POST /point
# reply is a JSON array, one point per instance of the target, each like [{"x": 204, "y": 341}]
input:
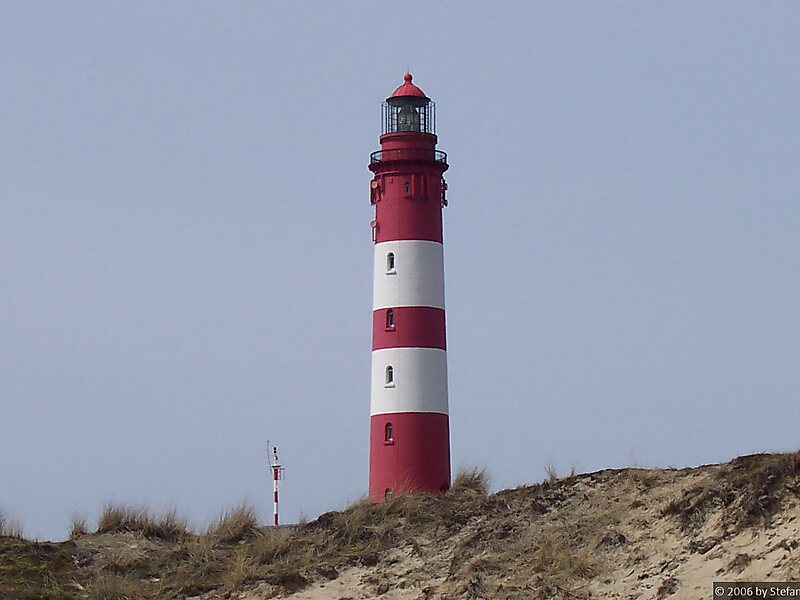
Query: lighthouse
[{"x": 409, "y": 424}]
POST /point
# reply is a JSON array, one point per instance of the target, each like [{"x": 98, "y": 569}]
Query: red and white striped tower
[{"x": 409, "y": 424}]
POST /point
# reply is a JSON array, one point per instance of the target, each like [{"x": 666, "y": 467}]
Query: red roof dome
[{"x": 408, "y": 89}]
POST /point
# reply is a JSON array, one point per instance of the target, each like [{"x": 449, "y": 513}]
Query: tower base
[{"x": 409, "y": 452}]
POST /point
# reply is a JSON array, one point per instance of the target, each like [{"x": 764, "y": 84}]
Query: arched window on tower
[
  {"x": 388, "y": 433},
  {"x": 390, "y": 262},
  {"x": 389, "y": 318},
  {"x": 390, "y": 376}
]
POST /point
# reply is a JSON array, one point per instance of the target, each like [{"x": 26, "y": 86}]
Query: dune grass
[
  {"x": 235, "y": 524},
  {"x": 9, "y": 527},
  {"x": 78, "y": 527},
  {"x": 118, "y": 518}
]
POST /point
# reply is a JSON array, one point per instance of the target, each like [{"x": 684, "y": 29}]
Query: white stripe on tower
[
  {"x": 417, "y": 278},
  {"x": 419, "y": 381}
]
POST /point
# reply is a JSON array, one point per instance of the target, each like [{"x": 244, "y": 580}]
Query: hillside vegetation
[{"x": 629, "y": 533}]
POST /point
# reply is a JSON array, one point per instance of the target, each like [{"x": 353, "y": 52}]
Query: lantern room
[{"x": 408, "y": 109}]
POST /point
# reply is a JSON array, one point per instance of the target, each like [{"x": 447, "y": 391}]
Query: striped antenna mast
[{"x": 277, "y": 475}]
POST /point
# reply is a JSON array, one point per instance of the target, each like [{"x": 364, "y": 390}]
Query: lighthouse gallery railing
[{"x": 406, "y": 154}]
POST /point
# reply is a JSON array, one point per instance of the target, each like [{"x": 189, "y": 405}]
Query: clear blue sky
[{"x": 185, "y": 254}]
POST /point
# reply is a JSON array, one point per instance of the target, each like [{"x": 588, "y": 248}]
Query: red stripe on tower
[
  {"x": 409, "y": 423},
  {"x": 408, "y": 327}
]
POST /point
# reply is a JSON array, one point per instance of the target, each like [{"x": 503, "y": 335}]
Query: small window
[
  {"x": 387, "y": 494},
  {"x": 389, "y": 319},
  {"x": 408, "y": 187},
  {"x": 388, "y": 431},
  {"x": 389, "y": 376},
  {"x": 390, "y": 262}
]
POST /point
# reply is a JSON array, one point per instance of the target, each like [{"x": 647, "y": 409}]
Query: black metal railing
[{"x": 410, "y": 154}]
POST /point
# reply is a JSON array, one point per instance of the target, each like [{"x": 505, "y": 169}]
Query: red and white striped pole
[
  {"x": 276, "y": 475},
  {"x": 275, "y": 493},
  {"x": 409, "y": 422}
]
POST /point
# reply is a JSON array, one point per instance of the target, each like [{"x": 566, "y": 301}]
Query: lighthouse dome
[{"x": 408, "y": 89}]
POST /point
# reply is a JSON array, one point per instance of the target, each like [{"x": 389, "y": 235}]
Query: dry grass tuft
[
  {"x": 240, "y": 569},
  {"x": 272, "y": 544},
  {"x": 9, "y": 527},
  {"x": 78, "y": 527},
  {"x": 551, "y": 472},
  {"x": 561, "y": 552},
  {"x": 203, "y": 562},
  {"x": 235, "y": 524},
  {"x": 170, "y": 526},
  {"x": 473, "y": 479},
  {"x": 200, "y": 550},
  {"x": 642, "y": 479},
  {"x": 117, "y": 518},
  {"x": 112, "y": 587},
  {"x": 124, "y": 561},
  {"x": 349, "y": 527},
  {"x": 556, "y": 557}
]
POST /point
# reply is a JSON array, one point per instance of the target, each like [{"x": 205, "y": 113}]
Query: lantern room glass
[{"x": 408, "y": 114}]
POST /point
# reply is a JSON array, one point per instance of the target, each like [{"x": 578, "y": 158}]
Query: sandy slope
[
  {"x": 603, "y": 535},
  {"x": 627, "y": 534}
]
